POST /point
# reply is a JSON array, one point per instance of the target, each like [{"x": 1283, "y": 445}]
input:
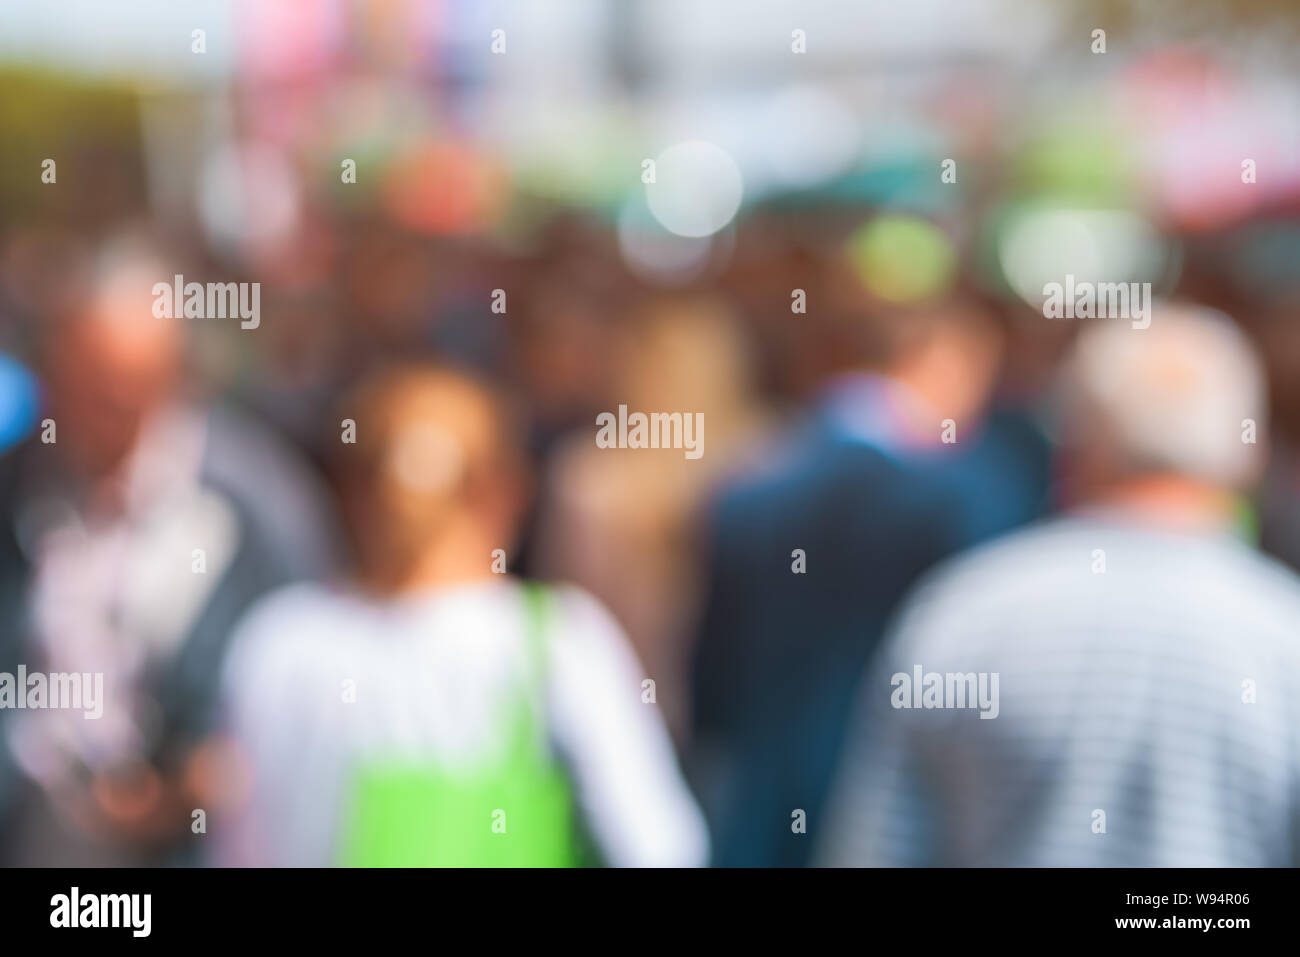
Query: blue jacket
[{"x": 779, "y": 654}]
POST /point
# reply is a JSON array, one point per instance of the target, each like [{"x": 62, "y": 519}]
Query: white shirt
[
  {"x": 432, "y": 676},
  {"x": 113, "y": 592}
]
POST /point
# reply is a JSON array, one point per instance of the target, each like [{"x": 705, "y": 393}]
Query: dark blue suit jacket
[{"x": 779, "y": 655}]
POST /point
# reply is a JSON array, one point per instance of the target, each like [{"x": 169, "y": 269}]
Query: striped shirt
[{"x": 1147, "y": 709}]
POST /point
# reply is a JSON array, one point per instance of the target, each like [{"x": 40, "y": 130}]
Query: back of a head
[
  {"x": 936, "y": 333},
  {"x": 432, "y": 461},
  {"x": 684, "y": 352},
  {"x": 1184, "y": 397}
]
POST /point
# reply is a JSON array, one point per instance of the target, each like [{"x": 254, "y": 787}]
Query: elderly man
[{"x": 1147, "y": 662}]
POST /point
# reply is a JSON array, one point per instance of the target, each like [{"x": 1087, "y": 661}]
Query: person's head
[
  {"x": 1166, "y": 402},
  {"x": 434, "y": 481},
  {"x": 106, "y": 359},
  {"x": 683, "y": 351},
  {"x": 946, "y": 346},
  {"x": 948, "y": 352}
]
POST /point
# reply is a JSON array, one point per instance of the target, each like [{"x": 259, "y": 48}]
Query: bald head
[{"x": 1170, "y": 399}]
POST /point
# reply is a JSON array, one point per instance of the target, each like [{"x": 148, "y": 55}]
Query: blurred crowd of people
[
  {"x": 364, "y": 588},
  {"x": 726, "y": 608}
]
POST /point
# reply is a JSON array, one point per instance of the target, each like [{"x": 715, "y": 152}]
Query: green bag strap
[
  {"x": 539, "y": 614},
  {"x": 539, "y": 609}
]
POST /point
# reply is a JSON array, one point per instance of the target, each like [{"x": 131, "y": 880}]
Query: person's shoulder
[
  {"x": 582, "y": 628},
  {"x": 272, "y": 484},
  {"x": 1022, "y": 551},
  {"x": 290, "y": 602},
  {"x": 1275, "y": 583},
  {"x": 1054, "y": 555},
  {"x": 1002, "y": 573},
  {"x": 281, "y": 622},
  {"x": 583, "y": 614},
  {"x": 589, "y": 655},
  {"x": 789, "y": 467}
]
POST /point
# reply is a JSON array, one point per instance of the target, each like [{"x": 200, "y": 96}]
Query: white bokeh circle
[{"x": 697, "y": 188}]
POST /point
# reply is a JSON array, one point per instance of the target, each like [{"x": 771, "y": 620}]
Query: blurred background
[{"x": 797, "y": 147}]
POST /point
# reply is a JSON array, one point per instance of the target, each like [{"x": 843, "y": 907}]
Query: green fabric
[{"x": 517, "y": 812}]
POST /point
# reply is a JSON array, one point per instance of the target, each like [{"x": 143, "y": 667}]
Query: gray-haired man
[{"x": 1147, "y": 660}]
